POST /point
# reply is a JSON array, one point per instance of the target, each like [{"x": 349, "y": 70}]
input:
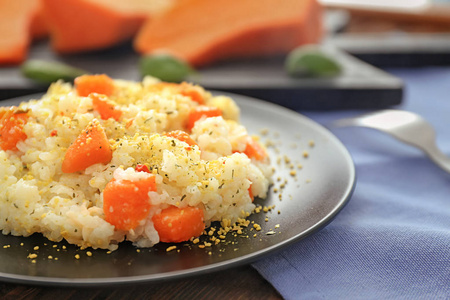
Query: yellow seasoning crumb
[
  {"x": 287, "y": 160},
  {"x": 64, "y": 247},
  {"x": 36, "y": 248},
  {"x": 277, "y": 226},
  {"x": 171, "y": 248},
  {"x": 305, "y": 154},
  {"x": 138, "y": 250},
  {"x": 196, "y": 241},
  {"x": 243, "y": 222},
  {"x": 6, "y": 246},
  {"x": 33, "y": 261},
  {"x": 50, "y": 257},
  {"x": 89, "y": 253},
  {"x": 293, "y": 173},
  {"x": 32, "y": 255},
  {"x": 55, "y": 258},
  {"x": 77, "y": 256},
  {"x": 269, "y": 143},
  {"x": 257, "y": 227},
  {"x": 311, "y": 143},
  {"x": 21, "y": 244}
]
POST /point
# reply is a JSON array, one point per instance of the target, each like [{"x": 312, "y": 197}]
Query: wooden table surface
[{"x": 237, "y": 283}]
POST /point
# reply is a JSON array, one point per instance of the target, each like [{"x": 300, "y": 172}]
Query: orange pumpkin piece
[
  {"x": 175, "y": 225},
  {"x": 91, "y": 147},
  {"x": 184, "y": 88},
  {"x": 181, "y": 136},
  {"x": 20, "y": 22},
  {"x": 12, "y": 121},
  {"x": 250, "y": 193},
  {"x": 126, "y": 203},
  {"x": 100, "y": 84},
  {"x": 86, "y": 25},
  {"x": 192, "y": 91},
  {"x": 105, "y": 107},
  {"x": 200, "y": 112},
  {"x": 254, "y": 150},
  {"x": 142, "y": 168},
  {"x": 39, "y": 28},
  {"x": 223, "y": 29}
]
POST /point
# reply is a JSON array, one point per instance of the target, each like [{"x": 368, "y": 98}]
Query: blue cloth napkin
[{"x": 392, "y": 240}]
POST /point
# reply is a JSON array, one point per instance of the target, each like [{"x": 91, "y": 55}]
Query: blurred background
[
  {"x": 395, "y": 33},
  {"x": 240, "y": 49}
]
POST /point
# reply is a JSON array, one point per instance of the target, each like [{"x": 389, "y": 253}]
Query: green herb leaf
[
  {"x": 49, "y": 71},
  {"x": 311, "y": 61},
  {"x": 165, "y": 67}
]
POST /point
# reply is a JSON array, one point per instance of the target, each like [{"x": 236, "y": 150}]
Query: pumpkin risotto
[{"x": 103, "y": 161}]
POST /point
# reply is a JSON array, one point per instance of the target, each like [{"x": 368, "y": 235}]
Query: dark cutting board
[{"x": 359, "y": 86}]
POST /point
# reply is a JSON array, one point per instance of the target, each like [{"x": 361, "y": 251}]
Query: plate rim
[{"x": 218, "y": 266}]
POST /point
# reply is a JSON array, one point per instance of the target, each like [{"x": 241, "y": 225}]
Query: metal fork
[{"x": 405, "y": 126}]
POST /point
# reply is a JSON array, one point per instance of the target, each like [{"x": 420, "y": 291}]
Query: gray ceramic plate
[{"x": 308, "y": 191}]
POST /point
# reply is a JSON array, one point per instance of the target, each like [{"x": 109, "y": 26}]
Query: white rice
[{"x": 37, "y": 197}]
